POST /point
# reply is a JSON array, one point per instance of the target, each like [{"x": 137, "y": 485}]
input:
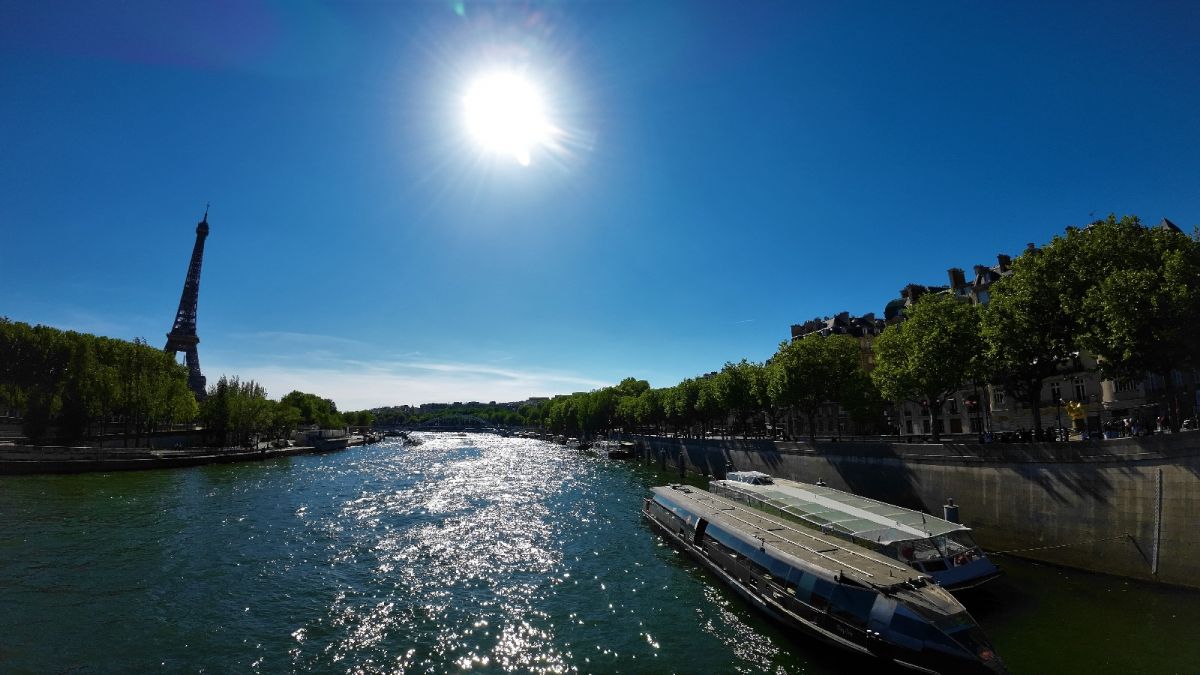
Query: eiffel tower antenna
[{"x": 182, "y": 337}]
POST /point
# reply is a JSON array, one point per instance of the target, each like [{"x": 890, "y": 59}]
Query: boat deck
[
  {"x": 846, "y": 513},
  {"x": 826, "y": 552}
]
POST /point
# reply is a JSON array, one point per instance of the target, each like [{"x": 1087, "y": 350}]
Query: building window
[
  {"x": 1055, "y": 392},
  {"x": 908, "y": 426},
  {"x": 953, "y": 405},
  {"x": 1080, "y": 390},
  {"x": 997, "y": 397}
]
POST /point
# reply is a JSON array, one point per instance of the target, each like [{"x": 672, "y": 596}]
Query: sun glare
[{"x": 505, "y": 115}]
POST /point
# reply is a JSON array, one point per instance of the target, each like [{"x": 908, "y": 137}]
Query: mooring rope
[{"x": 1074, "y": 543}]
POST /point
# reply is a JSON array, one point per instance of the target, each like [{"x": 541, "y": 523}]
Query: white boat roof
[
  {"x": 750, "y": 477},
  {"x": 834, "y": 510}
]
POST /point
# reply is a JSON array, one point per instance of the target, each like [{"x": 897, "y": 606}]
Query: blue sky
[{"x": 726, "y": 170}]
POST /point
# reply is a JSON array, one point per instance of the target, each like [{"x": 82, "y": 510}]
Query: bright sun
[{"x": 505, "y": 115}]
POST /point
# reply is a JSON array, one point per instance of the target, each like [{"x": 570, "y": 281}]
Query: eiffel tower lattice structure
[{"x": 182, "y": 337}]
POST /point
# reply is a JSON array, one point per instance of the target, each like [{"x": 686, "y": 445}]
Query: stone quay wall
[{"x": 1125, "y": 507}]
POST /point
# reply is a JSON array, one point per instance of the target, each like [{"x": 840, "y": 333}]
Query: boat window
[
  {"x": 960, "y": 542},
  {"x": 804, "y": 587},
  {"x": 953, "y": 623},
  {"x": 927, "y": 549},
  {"x": 973, "y": 640},
  {"x": 852, "y": 604},
  {"x": 821, "y": 590},
  {"x": 935, "y": 565},
  {"x": 912, "y": 627}
]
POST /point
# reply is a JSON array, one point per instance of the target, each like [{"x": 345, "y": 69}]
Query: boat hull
[{"x": 772, "y": 610}]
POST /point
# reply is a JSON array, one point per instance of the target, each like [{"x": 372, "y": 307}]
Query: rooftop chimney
[
  {"x": 1005, "y": 262},
  {"x": 957, "y": 277}
]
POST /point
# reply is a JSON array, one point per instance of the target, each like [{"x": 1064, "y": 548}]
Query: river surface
[{"x": 466, "y": 553}]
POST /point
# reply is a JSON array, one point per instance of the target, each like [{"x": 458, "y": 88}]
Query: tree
[
  {"x": 236, "y": 412},
  {"x": 738, "y": 386},
  {"x": 650, "y": 410},
  {"x": 631, "y": 387},
  {"x": 681, "y": 403},
  {"x": 1138, "y": 308},
  {"x": 929, "y": 356},
  {"x": 711, "y": 403},
  {"x": 315, "y": 410},
  {"x": 1026, "y": 330},
  {"x": 284, "y": 419},
  {"x": 812, "y": 371},
  {"x": 760, "y": 392}
]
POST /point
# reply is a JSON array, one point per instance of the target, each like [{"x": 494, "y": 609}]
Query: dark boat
[{"x": 840, "y": 593}]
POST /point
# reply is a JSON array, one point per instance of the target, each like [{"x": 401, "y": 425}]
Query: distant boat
[
  {"x": 624, "y": 450},
  {"x": 942, "y": 549}
]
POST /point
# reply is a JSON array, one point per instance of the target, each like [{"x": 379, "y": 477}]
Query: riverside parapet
[
  {"x": 34, "y": 459},
  {"x": 1122, "y": 506}
]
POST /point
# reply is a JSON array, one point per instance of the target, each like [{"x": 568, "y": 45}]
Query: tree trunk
[
  {"x": 935, "y": 408},
  {"x": 1034, "y": 399},
  {"x": 1171, "y": 402},
  {"x": 812, "y": 427}
]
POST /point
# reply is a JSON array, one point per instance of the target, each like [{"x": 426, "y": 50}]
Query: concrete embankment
[
  {"x": 25, "y": 459},
  {"x": 1123, "y": 506}
]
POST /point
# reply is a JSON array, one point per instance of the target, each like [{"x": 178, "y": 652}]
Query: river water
[{"x": 465, "y": 553}]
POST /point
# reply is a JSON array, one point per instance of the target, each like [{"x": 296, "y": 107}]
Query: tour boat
[
  {"x": 840, "y": 593},
  {"x": 942, "y": 549},
  {"x": 623, "y": 450}
]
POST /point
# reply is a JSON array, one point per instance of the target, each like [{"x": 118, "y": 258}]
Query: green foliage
[
  {"x": 315, "y": 410},
  {"x": 236, "y": 412},
  {"x": 75, "y": 382},
  {"x": 284, "y": 419},
  {"x": 936, "y": 350},
  {"x": 360, "y": 418},
  {"x": 1026, "y": 331},
  {"x": 812, "y": 371},
  {"x": 1137, "y": 305}
]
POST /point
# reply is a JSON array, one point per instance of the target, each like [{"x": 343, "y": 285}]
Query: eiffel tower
[{"x": 182, "y": 337}]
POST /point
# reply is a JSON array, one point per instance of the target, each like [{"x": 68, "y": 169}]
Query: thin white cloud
[
  {"x": 356, "y": 385},
  {"x": 306, "y": 339},
  {"x": 352, "y": 373}
]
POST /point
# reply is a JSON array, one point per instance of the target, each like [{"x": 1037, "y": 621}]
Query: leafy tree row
[
  {"x": 497, "y": 415},
  {"x": 1125, "y": 293},
  {"x": 73, "y": 386},
  {"x": 73, "y": 383},
  {"x": 239, "y": 413}
]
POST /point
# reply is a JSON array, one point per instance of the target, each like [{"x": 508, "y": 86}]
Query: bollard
[{"x": 950, "y": 510}]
